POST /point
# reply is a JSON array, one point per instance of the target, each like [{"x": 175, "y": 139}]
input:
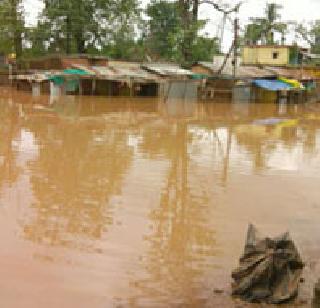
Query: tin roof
[
  {"x": 245, "y": 72},
  {"x": 293, "y": 73},
  {"x": 165, "y": 69},
  {"x": 122, "y": 72}
]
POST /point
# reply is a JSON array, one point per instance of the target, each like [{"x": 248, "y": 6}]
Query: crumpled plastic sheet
[{"x": 269, "y": 270}]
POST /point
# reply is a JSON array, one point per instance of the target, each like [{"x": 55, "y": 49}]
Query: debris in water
[
  {"x": 269, "y": 271},
  {"x": 218, "y": 291}
]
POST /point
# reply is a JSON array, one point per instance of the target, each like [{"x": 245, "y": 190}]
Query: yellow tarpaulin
[{"x": 292, "y": 82}]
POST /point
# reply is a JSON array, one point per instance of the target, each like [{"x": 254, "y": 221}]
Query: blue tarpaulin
[{"x": 272, "y": 85}]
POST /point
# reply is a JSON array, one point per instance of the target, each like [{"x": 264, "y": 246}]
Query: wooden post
[
  {"x": 235, "y": 48},
  {"x": 131, "y": 86},
  {"x": 80, "y": 87},
  {"x": 94, "y": 85}
]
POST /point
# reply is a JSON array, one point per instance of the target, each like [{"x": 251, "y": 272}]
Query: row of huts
[
  {"x": 260, "y": 84},
  {"x": 93, "y": 75},
  {"x": 262, "y": 73}
]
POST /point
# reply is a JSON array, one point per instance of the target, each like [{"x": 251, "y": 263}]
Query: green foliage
[
  {"x": 263, "y": 29},
  {"x": 163, "y": 29},
  {"x": 311, "y": 34},
  {"x": 204, "y": 48},
  {"x": 116, "y": 28},
  {"x": 80, "y": 26},
  {"x": 172, "y": 34},
  {"x": 12, "y": 26},
  {"x": 253, "y": 33}
]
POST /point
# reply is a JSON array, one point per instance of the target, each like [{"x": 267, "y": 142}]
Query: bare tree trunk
[
  {"x": 189, "y": 16},
  {"x": 80, "y": 42},
  {"x": 16, "y": 27},
  {"x": 195, "y": 10},
  {"x": 69, "y": 29}
]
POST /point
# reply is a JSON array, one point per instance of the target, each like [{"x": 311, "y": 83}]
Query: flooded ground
[{"x": 112, "y": 202}]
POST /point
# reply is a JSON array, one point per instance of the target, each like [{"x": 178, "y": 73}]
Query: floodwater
[{"x": 118, "y": 202}]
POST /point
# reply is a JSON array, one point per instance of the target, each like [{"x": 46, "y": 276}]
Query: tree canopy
[
  {"x": 12, "y": 27},
  {"x": 263, "y": 28},
  {"x": 168, "y": 30},
  {"x": 164, "y": 30}
]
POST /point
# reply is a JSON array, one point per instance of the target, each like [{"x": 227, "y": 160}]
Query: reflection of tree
[
  {"x": 8, "y": 131},
  {"x": 182, "y": 238},
  {"x": 79, "y": 168}
]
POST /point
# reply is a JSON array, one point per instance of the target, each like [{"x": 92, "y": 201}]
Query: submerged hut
[
  {"x": 90, "y": 76},
  {"x": 221, "y": 82},
  {"x": 256, "y": 83}
]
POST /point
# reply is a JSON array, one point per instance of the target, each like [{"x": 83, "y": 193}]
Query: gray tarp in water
[{"x": 269, "y": 270}]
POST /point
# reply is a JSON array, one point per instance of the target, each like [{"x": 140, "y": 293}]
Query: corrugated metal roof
[
  {"x": 36, "y": 77},
  {"x": 164, "y": 69},
  {"x": 104, "y": 71},
  {"x": 124, "y": 64},
  {"x": 294, "y": 73},
  {"x": 120, "y": 72},
  {"x": 246, "y": 72}
]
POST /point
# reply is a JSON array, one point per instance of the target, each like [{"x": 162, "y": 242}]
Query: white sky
[
  {"x": 293, "y": 10},
  {"x": 297, "y": 10}
]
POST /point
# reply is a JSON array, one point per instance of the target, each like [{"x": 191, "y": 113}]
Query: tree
[
  {"x": 253, "y": 33},
  {"x": 263, "y": 29},
  {"x": 311, "y": 35},
  {"x": 82, "y": 25},
  {"x": 12, "y": 26},
  {"x": 190, "y": 25},
  {"x": 120, "y": 37},
  {"x": 204, "y": 48},
  {"x": 172, "y": 32},
  {"x": 163, "y": 30}
]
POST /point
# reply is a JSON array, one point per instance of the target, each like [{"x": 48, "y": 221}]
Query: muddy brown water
[{"x": 118, "y": 202}]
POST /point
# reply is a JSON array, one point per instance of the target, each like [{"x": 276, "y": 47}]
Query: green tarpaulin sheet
[
  {"x": 199, "y": 76},
  {"x": 78, "y": 72},
  {"x": 57, "y": 80},
  {"x": 72, "y": 84}
]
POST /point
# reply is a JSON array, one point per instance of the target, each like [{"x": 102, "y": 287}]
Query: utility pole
[
  {"x": 224, "y": 20},
  {"x": 235, "y": 47}
]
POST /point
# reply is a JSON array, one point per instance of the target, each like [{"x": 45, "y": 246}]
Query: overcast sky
[{"x": 297, "y": 10}]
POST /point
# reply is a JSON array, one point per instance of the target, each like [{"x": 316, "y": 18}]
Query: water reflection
[
  {"x": 182, "y": 240},
  {"x": 146, "y": 185}
]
